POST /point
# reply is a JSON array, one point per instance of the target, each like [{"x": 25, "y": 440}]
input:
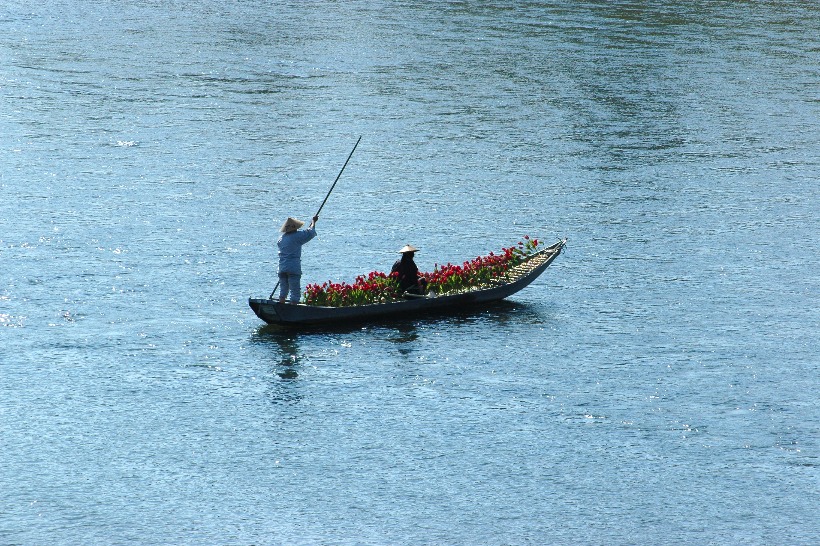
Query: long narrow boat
[{"x": 273, "y": 312}]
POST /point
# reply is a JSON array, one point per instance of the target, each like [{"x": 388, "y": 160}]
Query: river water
[{"x": 658, "y": 384}]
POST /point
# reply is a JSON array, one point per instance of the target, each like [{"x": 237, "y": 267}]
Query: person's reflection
[
  {"x": 285, "y": 359},
  {"x": 289, "y": 356},
  {"x": 406, "y": 334}
]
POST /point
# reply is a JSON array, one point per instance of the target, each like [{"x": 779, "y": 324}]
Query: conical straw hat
[{"x": 291, "y": 224}]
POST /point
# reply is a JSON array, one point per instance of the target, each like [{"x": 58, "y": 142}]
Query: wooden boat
[{"x": 273, "y": 312}]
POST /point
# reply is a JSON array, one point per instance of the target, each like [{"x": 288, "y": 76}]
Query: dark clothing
[{"x": 408, "y": 274}]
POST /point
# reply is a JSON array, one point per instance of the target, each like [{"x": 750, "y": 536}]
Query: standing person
[
  {"x": 290, "y": 257},
  {"x": 409, "y": 280}
]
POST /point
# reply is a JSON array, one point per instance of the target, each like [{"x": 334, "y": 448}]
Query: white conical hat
[{"x": 408, "y": 248}]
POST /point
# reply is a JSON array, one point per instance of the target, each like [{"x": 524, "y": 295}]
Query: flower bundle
[
  {"x": 480, "y": 272},
  {"x": 378, "y": 287}
]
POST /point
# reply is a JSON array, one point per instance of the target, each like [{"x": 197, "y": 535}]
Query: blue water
[{"x": 657, "y": 385}]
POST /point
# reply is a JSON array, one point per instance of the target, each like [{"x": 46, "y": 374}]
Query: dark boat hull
[{"x": 273, "y": 312}]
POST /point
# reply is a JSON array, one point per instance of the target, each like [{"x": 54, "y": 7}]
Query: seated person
[{"x": 409, "y": 280}]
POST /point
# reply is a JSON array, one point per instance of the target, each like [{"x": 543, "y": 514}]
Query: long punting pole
[
  {"x": 337, "y": 177},
  {"x": 326, "y": 196}
]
